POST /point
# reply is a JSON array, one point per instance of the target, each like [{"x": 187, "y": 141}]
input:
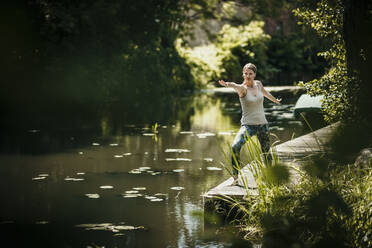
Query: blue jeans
[{"x": 262, "y": 132}]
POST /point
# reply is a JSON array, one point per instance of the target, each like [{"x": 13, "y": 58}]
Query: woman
[{"x": 253, "y": 122}]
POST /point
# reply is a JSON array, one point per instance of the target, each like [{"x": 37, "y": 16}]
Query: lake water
[{"x": 116, "y": 182}]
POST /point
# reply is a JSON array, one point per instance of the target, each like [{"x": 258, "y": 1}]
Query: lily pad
[
  {"x": 114, "y": 144},
  {"x": 288, "y": 115},
  {"x": 144, "y": 168},
  {"x": 93, "y": 196},
  {"x": 214, "y": 168},
  {"x": 131, "y": 191},
  {"x": 106, "y": 187},
  {"x": 38, "y": 178},
  {"x": 204, "y": 135},
  {"x": 148, "y": 134},
  {"x": 80, "y": 173},
  {"x": 177, "y": 150},
  {"x": 128, "y": 228},
  {"x": 150, "y": 197},
  {"x": 43, "y": 175},
  {"x": 186, "y": 132},
  {"x": 161, "y": 194},
  {"x": 118, "y": 156},
  {"x": 157, "y": 200},
  {"x": 131, "y": 195},
  {"x": 139, "y": 188},
  {"x": 178, "y": 170},
  {"x": 95, "y": 144},
  {"x": 276, "y": 128},
  {"x": 108, "y": 227},
  {"x": 295, "y": 122},
  {"x": 73, "y": 179},
  {"x": 208, "y": 159},
  {"x": 135, "y": 171},
  {"x": 177, "y": 188},
  {"x": 178, "y": 159}
]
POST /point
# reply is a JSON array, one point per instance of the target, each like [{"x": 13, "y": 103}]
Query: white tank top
[{"x": 252, "y": 108}]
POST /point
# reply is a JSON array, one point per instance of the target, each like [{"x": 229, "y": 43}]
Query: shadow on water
[{"x": 56, "y": 128}]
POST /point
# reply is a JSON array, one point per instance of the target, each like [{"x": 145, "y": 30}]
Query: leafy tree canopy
[{"x": 344, "y": 85}]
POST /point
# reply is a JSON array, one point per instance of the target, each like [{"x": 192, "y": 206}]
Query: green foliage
[
  {"x": 91, "y": 52},
  {"x": 316, "y": 212},
  {"x": 336, "y": 86},
  {"x": 226, "y": 56},
  {"x": 240, "y": 45},
  {"x": 293, "y": 57},
  {"x": 328, "y": 205},
  {"x": 288, "y": 55}
]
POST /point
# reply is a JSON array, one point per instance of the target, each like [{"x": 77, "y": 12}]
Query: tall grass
[
  {"x": 329, "y": 206},
  {"x": 269, "y": 176}
]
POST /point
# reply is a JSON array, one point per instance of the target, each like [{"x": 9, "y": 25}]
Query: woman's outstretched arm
[
  {"x": 238, "y": 88},
  {"x": 268, "y": 95}
]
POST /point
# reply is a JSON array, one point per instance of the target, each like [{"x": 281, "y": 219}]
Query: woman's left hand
[{"x": 222, "y": 83}]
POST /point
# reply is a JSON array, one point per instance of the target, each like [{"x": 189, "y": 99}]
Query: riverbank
[{"x": 307, "y": 198}]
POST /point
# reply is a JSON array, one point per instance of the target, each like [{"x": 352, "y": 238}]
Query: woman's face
[{"x": 248, "y": 74}]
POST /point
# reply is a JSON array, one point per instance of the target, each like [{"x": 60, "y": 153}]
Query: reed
[{"x": 330, "y": 203}]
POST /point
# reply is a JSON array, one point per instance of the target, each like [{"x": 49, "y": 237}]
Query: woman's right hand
[{"x": 223, "y": 83}]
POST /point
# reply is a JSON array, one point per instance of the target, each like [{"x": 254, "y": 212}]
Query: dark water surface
[{"x": 111, "y": 182}]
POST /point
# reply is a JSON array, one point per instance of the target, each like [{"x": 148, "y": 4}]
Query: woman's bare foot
[{"x": 235, "y": 181}]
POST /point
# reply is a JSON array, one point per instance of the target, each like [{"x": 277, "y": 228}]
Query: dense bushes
[
  {"x": 224, "y": 57},
  {"x": 331, "y": 208},
  {"x": 329, "y": 205},
  {"x": 282, "y": 58},
  {"x": 90, "y": 52},
  {"x": 345, "y": 85},
  {"x": 335, "y": 85}
]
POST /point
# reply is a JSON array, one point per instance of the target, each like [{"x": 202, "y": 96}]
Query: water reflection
[{"x": 108, "y": 173}]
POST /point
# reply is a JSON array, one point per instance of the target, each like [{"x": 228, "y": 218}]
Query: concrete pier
[
  {"x": 296, "y": 149},
  {"x": 302, "y": 146}
]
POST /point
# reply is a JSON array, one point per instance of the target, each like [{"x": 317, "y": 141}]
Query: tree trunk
[{"x": 357, "y": 23}]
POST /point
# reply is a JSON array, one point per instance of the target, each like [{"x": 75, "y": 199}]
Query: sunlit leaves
[
  {"x": 214, "y": 60},
  {"x": 336, "y": 86}
]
